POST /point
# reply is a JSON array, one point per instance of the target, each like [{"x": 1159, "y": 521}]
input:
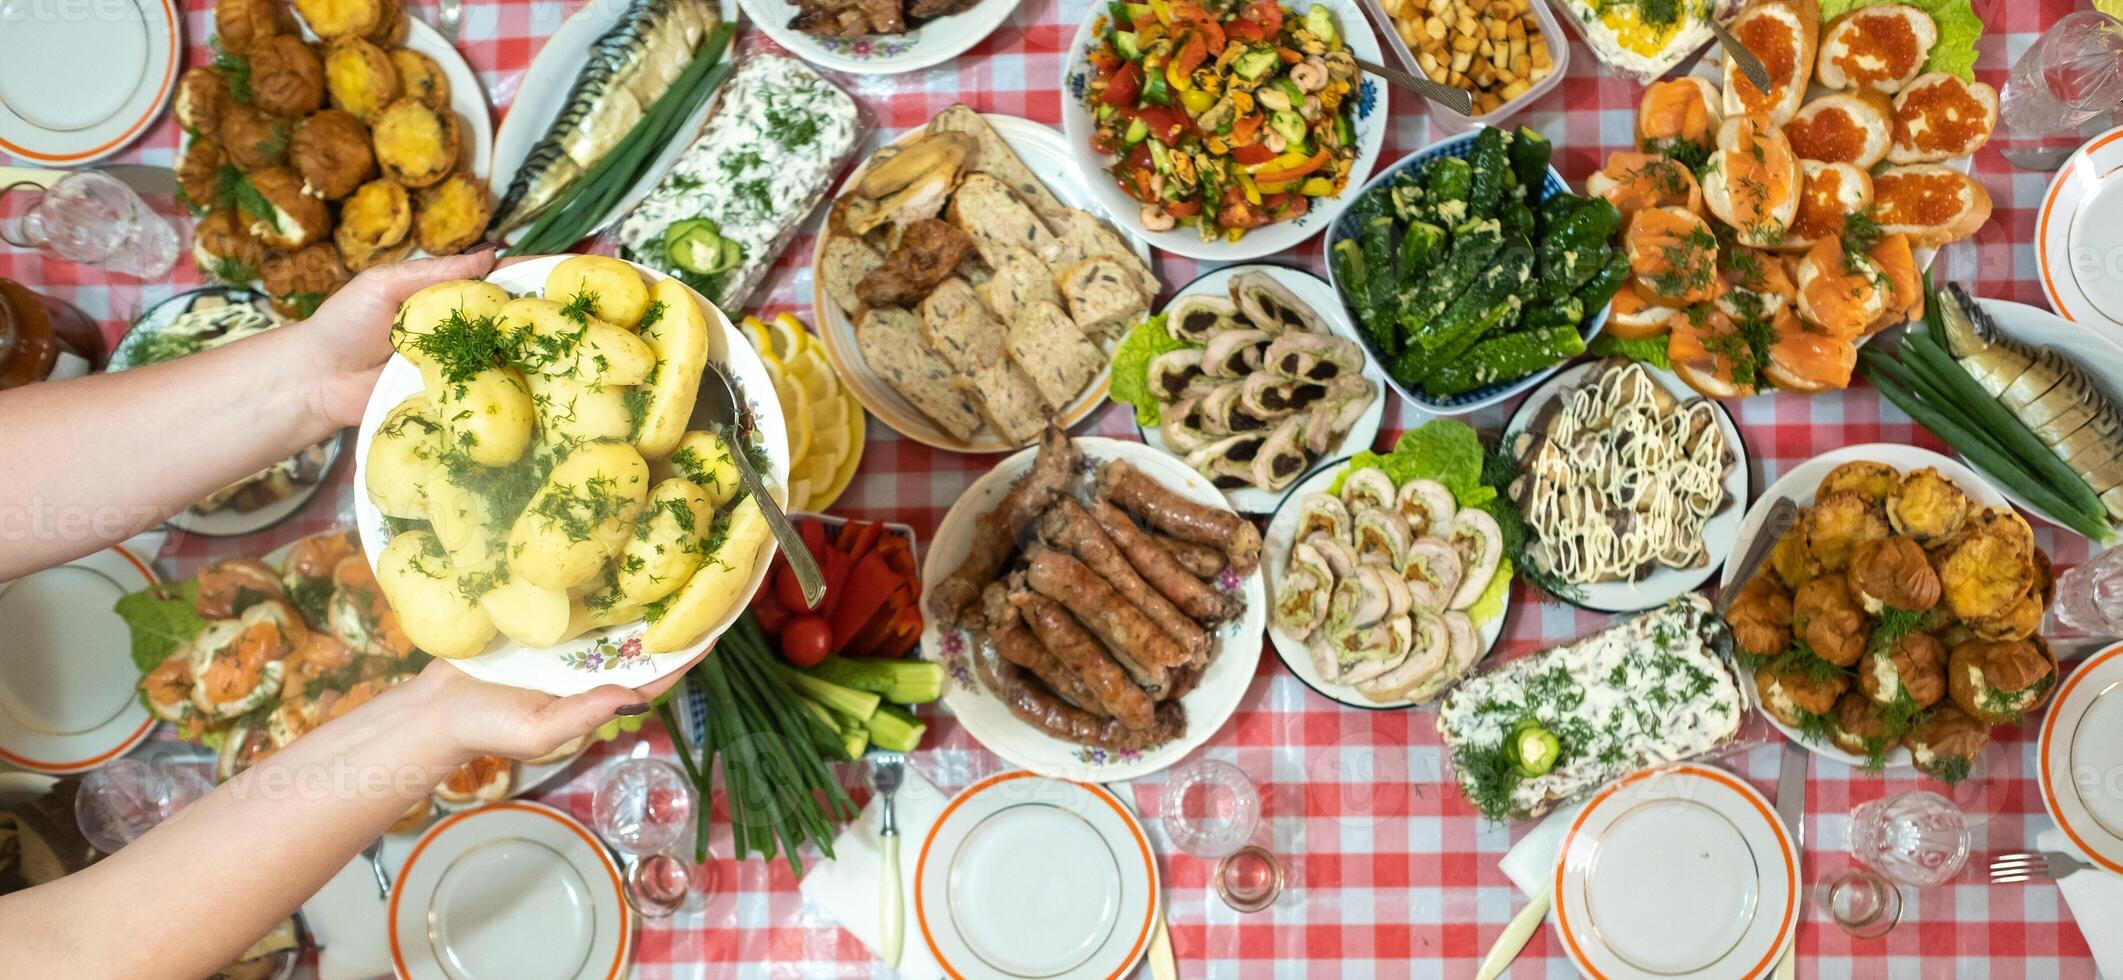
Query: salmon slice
[
  {"x": 1632, "y": 317},
  {"x": 1905, "y": 294},
  {"x": 1679, "y": 111},
  {"x": 1753, "y": 183},
  {"x": 1673, "y": 255},
  {"x": 1704, "y": 349},
  {"x": 1839, "y": 293},
  {"x": 1635, "y": 181},
  {"x": 1755, "y": 284},
  {"x": 1808, "y": 360}
]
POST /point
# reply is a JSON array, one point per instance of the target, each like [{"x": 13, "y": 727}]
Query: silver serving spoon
[
  {"x": 449, "y": 18},
  {"x": 1456, "y": 99},
  {"x": 716, "y": 408},
  {"x": 1750, "y": 65},
  {"x": 1774, "y": 524}
]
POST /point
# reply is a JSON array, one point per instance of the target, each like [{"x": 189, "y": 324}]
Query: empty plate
[
  {"x": 79, "y": 82},
  {"x": 1677, "y": 871},
  {"x": 68, "y": 695},
  {"x": 509, "y": 891},
  {"x": 1098, "y": 886},
  {"x": 2079, "y": 754},
  {"x": 2078, "y": 231}
]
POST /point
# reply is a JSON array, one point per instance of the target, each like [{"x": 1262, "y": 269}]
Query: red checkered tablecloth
[{"x": 1391, "y": 872}]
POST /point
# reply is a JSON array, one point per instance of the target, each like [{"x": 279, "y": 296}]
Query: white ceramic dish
[
  {"x": 1315, "y": 292},
  {"x": 543, "y": 91},
  {"x": 68, "y": 695},
  {"x": 79, "y": 84},
  {"x": 1042, "y": 150},
  {"x": 1683, "y": 870},
  {"x": 933, "y": 43},
  {"x": 509, "y": 890},
  {"x": 1275, "y": 556},
  {"x": 1372, "y": 119},
  {"x": 2092, "y": 345},
  {"x": 2078, "y": 751},
  {"x": 992, "y": 725},
  {"x": 2079, "y": 234},
  {"x": 1097, "y": 897},
  {"x": 1720, "y": 533},
  {"x": 1798, "y": 485},
  {"x": 1448, "y": 121},
  {"x": 612, "y": 655}
]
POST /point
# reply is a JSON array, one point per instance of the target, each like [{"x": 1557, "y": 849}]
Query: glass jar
[{"x": 42, "y": 338}]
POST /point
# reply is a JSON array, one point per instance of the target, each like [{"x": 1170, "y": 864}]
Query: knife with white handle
[{"x": 1514, "y": 938}]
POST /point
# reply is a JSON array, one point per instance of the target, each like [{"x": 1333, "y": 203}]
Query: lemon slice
[
  {"x": 853, "y": 422},
  {"x": 796, "y": 408},
  {"x": 815, "y": 473},
  {"x": 788, "y": 336},
  {"x": 812, "y": 372},
  {"x": 829, "y": 430},
  {"x": 756, "y": 332}
]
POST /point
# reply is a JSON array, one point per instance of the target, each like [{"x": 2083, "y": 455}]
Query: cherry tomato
[
  {"x": 786, "y": 588},
  {"x": 806, "y": 640},
  {"x": 1252, "y": 154},
  {"x": 768, "y": 610},
  {"x": 1166, "y": 123},
  {"x": 1124, "y": 86}
]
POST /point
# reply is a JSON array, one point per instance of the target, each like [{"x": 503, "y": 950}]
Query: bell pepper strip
[
  {"x": 769, "y": 611},
  {"x": 870, "y": 584},
  {"x": 1294, "y": 171},
  {"x": 1107, "y": 61},
  {"x": 1246, "y": 129},
  {"x": 1252, "y": 154},
  {"x": 1289, "y": 56},
  {"x": 1124, "y": 87},
  {"x": 873, "y": 637},
  {"x": 814, "y": 538},
  {"x": 901, "y": 559},
  {"x": 1193, "y": 51},
  {"x": 1183, "y": 209}
]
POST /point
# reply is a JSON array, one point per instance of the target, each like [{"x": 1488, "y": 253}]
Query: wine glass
[{"x": 127, "y": 798}]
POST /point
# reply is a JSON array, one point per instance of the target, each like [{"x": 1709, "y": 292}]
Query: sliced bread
[
  {"x": 1050, "y": 349},
  {"x": 1006, "y": 398},
  {"x": 890, "y": 342},
  {"x": 958, "y": 326}
]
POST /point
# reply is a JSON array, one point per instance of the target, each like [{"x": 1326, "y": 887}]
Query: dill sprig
[
  {"x": 234, "y": 67},
  {"x": 462, "y": 347}
]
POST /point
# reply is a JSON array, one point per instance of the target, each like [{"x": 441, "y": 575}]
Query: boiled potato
[
  {"x": 525, "y": 613},
  {"x": 704, "y": 458},
  {"x": 463, "y": 523},
  {"x": 715, "y": 589},
  {"x": 427, "y": 309},
  {"x": 680, "y": 338},
  {"x": 666, "y": 545},
  {"x": 488, "y": 415},
  {"x": 614, "y": 290},
  {"x": 404, "y": 458},
  {"x": 571, "y": 411},
  {"x": 580, "y": 517},
  {"x": 421, "y": 586},
  {"x": 588, "y": 350}
]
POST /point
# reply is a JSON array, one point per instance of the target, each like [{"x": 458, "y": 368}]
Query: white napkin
[
  {"x": 1530, "y": 864},
  {"x": 2096, "y": 901},
  {"x": 347, "y": 919},
  {"x": 848, "y": 887}
]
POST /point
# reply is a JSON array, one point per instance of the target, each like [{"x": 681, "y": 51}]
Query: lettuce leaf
[
  {"x": 1491, "y": 603},
  {"x": 1443, "y": 450},
  {"x": 161, "y": 619},
  {"x": 1131, "y": 367},
  {"x": 1650, "y": 350},
  {"x": 1959, "y": 29}
]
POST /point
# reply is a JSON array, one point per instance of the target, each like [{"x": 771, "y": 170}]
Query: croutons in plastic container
[
  {"x": 1508, "y": 53},
  {"x": 776, "y": 142}
]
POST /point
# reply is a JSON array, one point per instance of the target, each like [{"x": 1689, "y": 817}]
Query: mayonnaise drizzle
[{"x": 1625, "y": 478}]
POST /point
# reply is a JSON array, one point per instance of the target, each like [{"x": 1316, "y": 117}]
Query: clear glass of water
[
  {"x": 642, "y": 806},
  {"x": 2072, "y": 74},
  {"x": 2090, "y": 597},
  {"x": 1210, "y": 808},
  {"x": 1917, "y": 838},
  {"x": 1861, "y": 902},
  {"x": 127, "y": 798},
  {"x": 92, "y": 219}
]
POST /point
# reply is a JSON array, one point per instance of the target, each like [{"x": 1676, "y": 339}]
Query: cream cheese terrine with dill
[
  {"x": 769, "y": 152},
  {"x": 1550, "y": 726}
]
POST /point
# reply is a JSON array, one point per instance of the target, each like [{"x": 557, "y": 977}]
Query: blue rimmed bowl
[{"x": 1344, "y": 227}]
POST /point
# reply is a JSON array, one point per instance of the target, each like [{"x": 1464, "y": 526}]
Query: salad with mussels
[{"x": 1224, "y": 116}]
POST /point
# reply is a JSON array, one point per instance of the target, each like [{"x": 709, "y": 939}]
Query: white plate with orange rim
[
  {"x": 1042, "y": 150},
  {"x": 2079, "y": 237},
  {"x": 612, "y": 655},
  {"x": 1211, "y": 703},
  {"x": 1097, "y": 900},
  {"x": 511, "y": 889},
  {"x": 78, "y": 83},
  {"x": 2079, "y": 755},
  {"x": 69, "y": 699},
  {"x": 1681, "y": 870},
  {"x": 1798, "y": 484}
]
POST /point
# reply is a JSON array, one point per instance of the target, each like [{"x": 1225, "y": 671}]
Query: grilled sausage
[
  {"x": 996, "y": 533},
  {"x": 1044, "y": 710},
  {"x": 1199, "y": 559},
  {"x": 1124, "y": 628},
  {"x": 1018, "y": 646},
  {"x": 1067, "y": 527},
  {"x": 1077, "y": 649},
  {"x": 1167, "y": 511},
  {"x": 1164, "y": 572}
]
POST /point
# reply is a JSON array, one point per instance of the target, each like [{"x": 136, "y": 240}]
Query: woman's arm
[
  {"x": 188, "y": 897},
  {"x": 89, "y": 462}
]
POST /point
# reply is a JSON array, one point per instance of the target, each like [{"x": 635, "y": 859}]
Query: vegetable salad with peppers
[{"x": 1223, "y": 116}]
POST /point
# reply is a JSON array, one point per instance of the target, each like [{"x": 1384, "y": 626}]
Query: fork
[
  {"x": 2029, "y": 865},
  {"x": 449, "y": 18},
  {"x": 374, "y": 852},
  {"x": 887, "y": 769}
]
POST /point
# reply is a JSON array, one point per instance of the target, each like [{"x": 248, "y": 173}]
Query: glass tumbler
[
  {"x": 127, "y": 798},
  {"x": 1210, "y": 808},
  {"x": 1917, "y": 838},
  {"x": 92, "y": 219},
  {"x": 641, "y": 809},
  {"x": 2072, "y": 74},
  {"x": 1861, "y": 902}
]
